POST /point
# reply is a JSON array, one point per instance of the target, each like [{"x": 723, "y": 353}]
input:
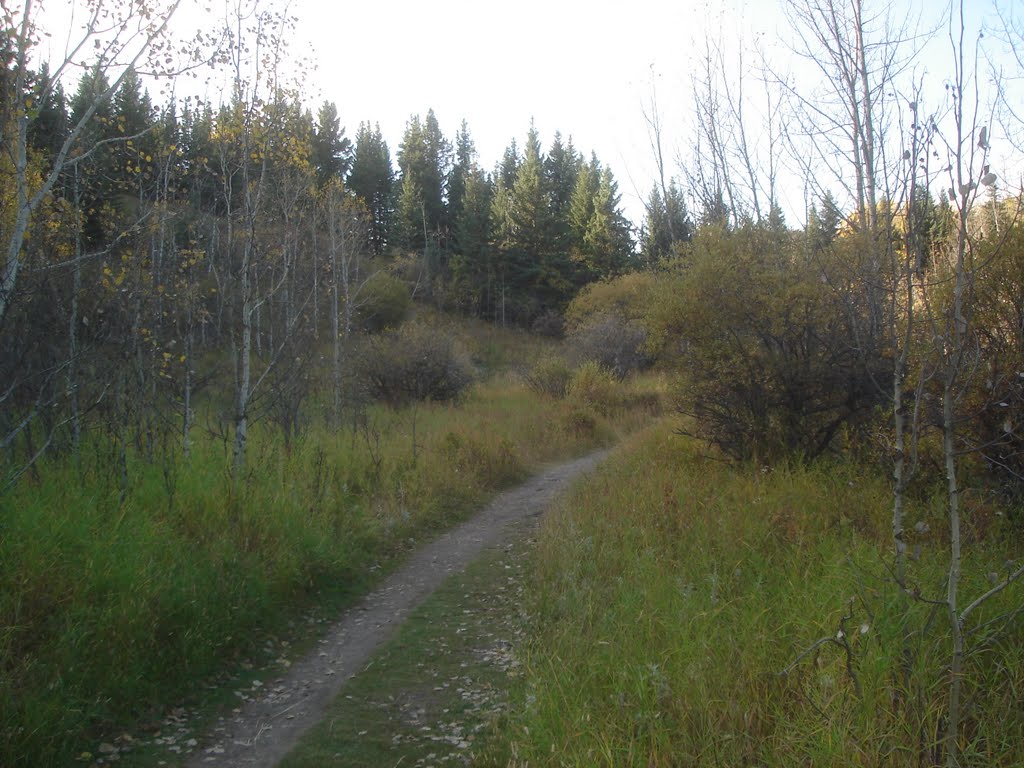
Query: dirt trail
[{"x": 266, "y": 728}]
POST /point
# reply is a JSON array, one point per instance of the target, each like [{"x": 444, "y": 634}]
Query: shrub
[
  {"x": 596, "y": 388},
  {"x": 413, "y": 363},
  {"x": 580, "y": 424},
  {"x": 616, "y": 344},
  {"x": 549, "y": 323},
  {"x": 627, "y": 297},
  {"x": 549, "y": 377},
  {"x": 768, "y": 367},
  {"x": 383, "y": 302}
]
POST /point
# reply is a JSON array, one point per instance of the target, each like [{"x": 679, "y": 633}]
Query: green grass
[
  {"x": 672, "y": 591},
  {"x": 112, "y": 610}
]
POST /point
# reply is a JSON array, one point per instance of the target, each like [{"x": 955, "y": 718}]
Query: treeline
[{"x": 239, "y": 248}]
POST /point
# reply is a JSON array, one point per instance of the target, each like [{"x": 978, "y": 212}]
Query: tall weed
[
  {"x": 690, "y": 613},
  {"x": 113, "y": 609}
]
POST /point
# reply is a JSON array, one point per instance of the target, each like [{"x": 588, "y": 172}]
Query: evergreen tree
[
  {"x": 372, "y": 179},
  {"x": 96, "y": 174},
  {"x": 529, "y": 209},
  {"x": 715, "y": 211},
  {"x": 332, "y": 151},
  {"x": 667, "y": 224},
  {"x": 776, "y": 220},
  {"x": 608, "y": 244},
  {"x": 424, "y": 159},
  {"x": 168, "y": 141},
  {"x": 561, "y": 169},
  {"x": 581, "y": 206},
  {"x": 823, "y": 224},
  {"x": 509, "y": 166},
  {"x": 47, "y": 132},
  {"x": 437, "y": 171},
  {"x": 471, "y": 265},
  {"x": 134, "y": 120},
  {"x": 512, "y": 269},
  {"x": 530, "y": 213},
  {"x": 197, "y": 151},
  {"x": 410, "y": 215},
  {"x": 465, "y": 166}
]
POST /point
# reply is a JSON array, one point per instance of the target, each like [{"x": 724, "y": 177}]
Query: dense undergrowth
[
  {"x": 116, "y": 600},
  {"x": 685, "y": 612}
]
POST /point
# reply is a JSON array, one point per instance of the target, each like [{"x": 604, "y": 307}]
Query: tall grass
[
  {"x": 689, "y": 613},
  {"x": 114, "y": 602}
]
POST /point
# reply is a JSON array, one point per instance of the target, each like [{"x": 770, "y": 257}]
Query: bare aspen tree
[
  {"x": 843, "y": 122},
  {"x": 652, "y": 116},
  {"x": 1010, "y": 30},
  {"x": 908, "y": 266},
  {"x": 940, "y": 303},
  {"x": 968, "y": 150},
  {"x": 728, "y": 164},
  {"x": 710, "y": 173},
  {"x": 348, "y": 241},
  {"x": 245, "y": 143}
]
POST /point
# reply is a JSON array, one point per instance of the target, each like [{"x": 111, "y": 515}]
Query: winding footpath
[{"x": 266, "y": 728}]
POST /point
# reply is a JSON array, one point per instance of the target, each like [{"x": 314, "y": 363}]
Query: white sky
[
  {"x": 578, "y": 66},
  {"x": 584, "y": 68}
]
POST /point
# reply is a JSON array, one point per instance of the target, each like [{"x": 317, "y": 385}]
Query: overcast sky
[
  {"x": 582, "y": 68},
  {"x": 585, "y": 68}
]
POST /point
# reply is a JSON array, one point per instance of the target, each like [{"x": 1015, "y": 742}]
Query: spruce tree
[
  {"x": 372, "y": 180},
  {"x": 465, "y": 166},
  {"x": 505, "y": 175},
  {"x": 47, "y": 132},
  {"x": 667, "y": 224},
  {"x": 472, "y": 269},
  {"x": 561, "y": 169},
  {"x": 581, "y": 206},
  {"x": 332, "y": 151},
  {"x": 607, "y": 244},
  {"x": 133, "y": 123},
  {"x": 529, "y": 206},
  {"x": 96, "y": 173},
  {"x": 424, "y": 159}
]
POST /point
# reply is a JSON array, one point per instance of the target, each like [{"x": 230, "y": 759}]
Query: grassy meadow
[
  {"x": 685, "y": 612},
  {"x": 117, "y": 602}
]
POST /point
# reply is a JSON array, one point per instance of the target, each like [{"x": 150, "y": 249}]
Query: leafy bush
[
  {"x": 596, "y": 388},
  {"x": 549, "y": 323},
  {"x": 767, "y": 364},
  {"x": 580, "y": 424},
  {"x": 383, "y": 302},
  {"x": 616, "y": 344},
  {"x": 413, "y": 363},
  {"x": 996, "y": 398},
  {"x": 549, "y": 377},
  {"x": 627, "y": 297}
]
